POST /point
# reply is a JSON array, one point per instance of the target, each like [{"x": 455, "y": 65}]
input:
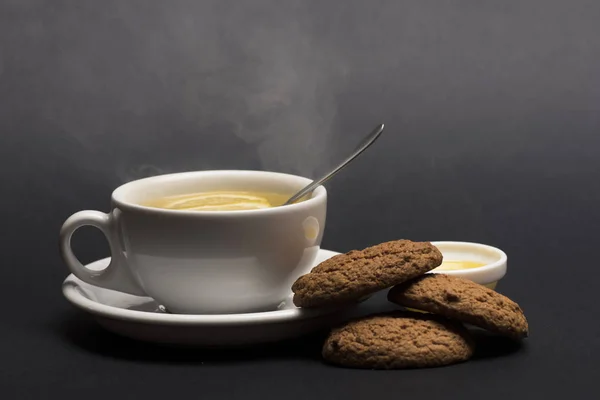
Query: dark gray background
[{"x": 492, "y": 136}]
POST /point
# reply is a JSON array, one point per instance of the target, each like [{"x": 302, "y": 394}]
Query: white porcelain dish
[
  {"x": 494, "y": 260},
  {"x": 142, "y": 318}
]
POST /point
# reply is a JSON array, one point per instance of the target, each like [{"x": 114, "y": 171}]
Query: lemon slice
[{"x": 220, "y": 202}]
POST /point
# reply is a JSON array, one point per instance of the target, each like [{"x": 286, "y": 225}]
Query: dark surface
[{"x": 493, "y": 135}]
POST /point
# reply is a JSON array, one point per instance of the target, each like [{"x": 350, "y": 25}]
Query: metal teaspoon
[{"x": 368, "y": 141}]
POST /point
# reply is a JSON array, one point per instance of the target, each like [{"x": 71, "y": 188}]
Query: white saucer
[{"x": 143, "y": 319}]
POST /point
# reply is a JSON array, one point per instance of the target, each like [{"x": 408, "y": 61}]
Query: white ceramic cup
[{"x": 204, "y": 262}]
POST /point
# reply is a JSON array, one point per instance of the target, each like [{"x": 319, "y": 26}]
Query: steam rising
[{"x": 271, "y": 83}]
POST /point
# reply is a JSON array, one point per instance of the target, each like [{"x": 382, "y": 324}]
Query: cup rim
[{"x": 319, "y": 194}]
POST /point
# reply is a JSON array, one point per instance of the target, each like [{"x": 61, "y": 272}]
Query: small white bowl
[{"x": 494, "y": 260}]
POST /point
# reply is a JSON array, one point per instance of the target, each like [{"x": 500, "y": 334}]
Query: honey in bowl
[
  {"x": 453, "y": 265},
  {"x": 457, "y": 265},
  {"x": 219, "y": 201}
]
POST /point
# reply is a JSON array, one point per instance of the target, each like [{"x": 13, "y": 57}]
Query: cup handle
[{"x": 116, "y": 276}]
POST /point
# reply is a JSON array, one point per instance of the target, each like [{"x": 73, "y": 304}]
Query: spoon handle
[{"x": 369, "y": 140}]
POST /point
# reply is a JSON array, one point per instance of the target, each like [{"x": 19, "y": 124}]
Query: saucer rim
[{"x": 70, "y": 289}]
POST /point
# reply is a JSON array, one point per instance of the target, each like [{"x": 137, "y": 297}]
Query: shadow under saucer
[{"x": 85, "y": 333}]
